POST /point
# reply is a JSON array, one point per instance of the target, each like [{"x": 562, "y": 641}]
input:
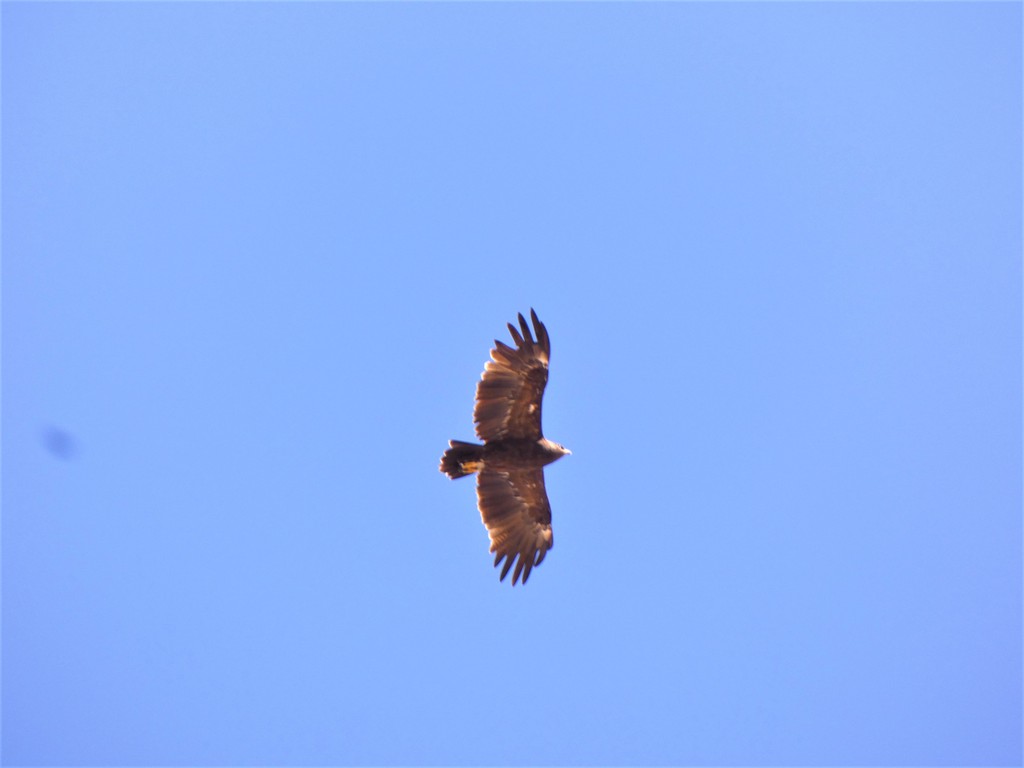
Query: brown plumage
[{"x": 510, "y": 464}]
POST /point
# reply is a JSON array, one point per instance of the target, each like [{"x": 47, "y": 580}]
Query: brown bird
[{"x": 510, "y": 464}]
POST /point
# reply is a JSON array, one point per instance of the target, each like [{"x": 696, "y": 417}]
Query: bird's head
[{"x": 555, "y": 448}]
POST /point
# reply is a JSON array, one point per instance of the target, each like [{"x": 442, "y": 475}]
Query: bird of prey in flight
[{"x": 510, "y": 464}]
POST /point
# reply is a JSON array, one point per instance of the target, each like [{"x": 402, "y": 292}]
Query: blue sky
[{"x": 254, "y": 256}]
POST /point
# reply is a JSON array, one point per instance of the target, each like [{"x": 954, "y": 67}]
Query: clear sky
[{"x": 254, "y": 256}]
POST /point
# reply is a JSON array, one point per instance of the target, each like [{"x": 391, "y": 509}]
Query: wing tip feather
[
  {"x": 526, "y": 328},
  {"x": 515, "y": 334}
]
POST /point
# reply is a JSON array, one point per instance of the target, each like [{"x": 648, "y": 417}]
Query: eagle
[{"x": 510, "y": 464}]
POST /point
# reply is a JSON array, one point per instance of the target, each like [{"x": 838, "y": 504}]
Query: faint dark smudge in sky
[{"x": 60, "y": 443}]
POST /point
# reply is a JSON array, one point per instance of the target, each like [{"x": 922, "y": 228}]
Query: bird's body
[
  {"x": 510, "y": 464},
  {"x": 508, "y": 454}
]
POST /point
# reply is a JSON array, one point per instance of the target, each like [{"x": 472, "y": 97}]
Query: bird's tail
[{"x": 461, "y": 459}]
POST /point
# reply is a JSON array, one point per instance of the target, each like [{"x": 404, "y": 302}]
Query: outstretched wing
[
  {"x": 509, "y": 394},
  {"x": 515, "y": 509}
]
